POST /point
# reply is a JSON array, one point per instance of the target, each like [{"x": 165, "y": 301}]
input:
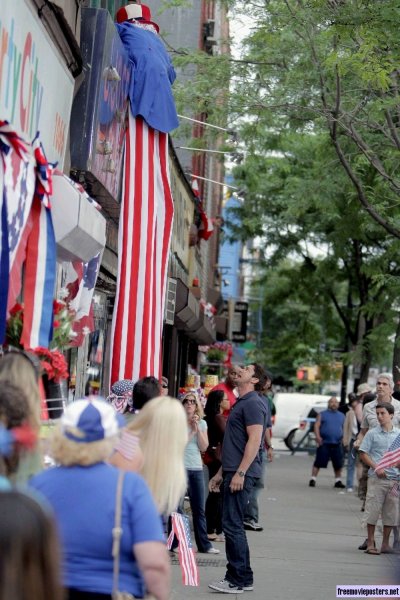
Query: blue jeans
[
  {"x": 351, "y": 463},
  {"x": 197, "y": 497},
  {"x": 214, "y": 503},
  {"x": 237, "y": 549},
  {"x": 251, "y": 510}
]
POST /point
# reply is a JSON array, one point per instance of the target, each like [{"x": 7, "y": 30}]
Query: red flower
[
  {"x": 17, "y": 308},
  {"x": 58, "y": 306},
  {"x": 53, "y": 363},
  {"x": 56, "y": 323}
]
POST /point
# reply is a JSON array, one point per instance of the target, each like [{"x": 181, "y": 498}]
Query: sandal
[
  {"x": 372, "y": 551},
  {"x": 364, "y": 545},
  {"x": 212, "y": 536}
]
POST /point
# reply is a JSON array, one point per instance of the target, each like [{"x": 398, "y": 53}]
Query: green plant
[
  {"x": 63, "y": 333},
  {"x": 215, "y": 355}
]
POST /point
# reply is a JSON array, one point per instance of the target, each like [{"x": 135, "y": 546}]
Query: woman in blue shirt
[
  {"x": 198, "y": 443},
  {"x": 82, "y": 493}
]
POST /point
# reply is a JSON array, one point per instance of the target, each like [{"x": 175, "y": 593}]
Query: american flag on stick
[
  {"x": 391, "y": 458},
  {"x": 180, "y": 528}
]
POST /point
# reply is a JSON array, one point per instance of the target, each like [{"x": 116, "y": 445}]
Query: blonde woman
[
  {"x": 22, "y": 369},
  {"x": 198, "y": 443},
  {"x": 153, "y": 444}
]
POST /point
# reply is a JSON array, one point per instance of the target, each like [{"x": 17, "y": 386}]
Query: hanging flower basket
[
  {"x": 56, "y": 396},
  {"x": 55, "y": 375}
]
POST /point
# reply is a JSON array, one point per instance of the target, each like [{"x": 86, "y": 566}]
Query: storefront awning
[
  {"x": 215, "y": 298},
  {"x": 79, "y": 227},
  {"x": 187, "y": 307},
  {"x": 190, "y": 318},
  {"x": 204, "y": 333}
]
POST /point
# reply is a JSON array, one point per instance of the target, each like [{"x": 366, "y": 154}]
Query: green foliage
[{"x": 315, "y": 98}]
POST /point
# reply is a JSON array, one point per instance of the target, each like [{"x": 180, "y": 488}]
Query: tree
[
  {"x": 328, "y": 71},
  {"x": 321, "y": 254},
  {"x": 316, "y": 96},
  {"x": 331, "y": 66}
]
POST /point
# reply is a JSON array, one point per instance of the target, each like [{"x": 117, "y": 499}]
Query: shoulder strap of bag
[{"x": 117, "y": 531}]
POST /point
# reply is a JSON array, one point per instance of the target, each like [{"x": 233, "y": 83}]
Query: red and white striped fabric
[
  {"x": 143, "y": 249},
  {"x": 391, "y": 458},
  {"x": 395, "y": 490},
  {"x": 187, "y": 560},
  {"x": 128, "y": 445}
]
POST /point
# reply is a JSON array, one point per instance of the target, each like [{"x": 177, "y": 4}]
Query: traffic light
[
  {"x": 309, "y": 374},
  {"x": 302, "y": 374}
]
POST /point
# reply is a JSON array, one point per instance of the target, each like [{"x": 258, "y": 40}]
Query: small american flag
[
  {"x": 180, "y": 528},
  {"x": 395, "y": 490},
  {"x": 391, "y": 458}
]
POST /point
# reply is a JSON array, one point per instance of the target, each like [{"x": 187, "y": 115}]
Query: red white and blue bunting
[{"x": 27, "y": 236}]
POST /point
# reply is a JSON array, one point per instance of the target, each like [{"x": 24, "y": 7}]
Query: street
[{"x": 309, "y": 543}]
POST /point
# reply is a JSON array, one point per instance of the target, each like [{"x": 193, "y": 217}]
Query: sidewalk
[{"x": 309, "y": 543}]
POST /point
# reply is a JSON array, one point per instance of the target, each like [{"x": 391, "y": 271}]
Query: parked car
[
  {"x": 306, "y": 425},
  {"x": 290, "y": 407}
]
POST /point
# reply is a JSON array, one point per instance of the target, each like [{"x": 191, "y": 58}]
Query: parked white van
[{"x": 289, "y": 409}]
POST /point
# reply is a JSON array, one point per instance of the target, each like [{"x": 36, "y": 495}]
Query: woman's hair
[
  {"x": 213, "y": 404},
  {"x": 29, "y": 557},
  {"x": 199, "y": 408},
  {"x": 14, "y": 411},
  {"x": 67, "y": 452},
  {"x": 19, "y": 369},
  {"x": 352, "y": 397},
  {"x": 161, "y": 426}
]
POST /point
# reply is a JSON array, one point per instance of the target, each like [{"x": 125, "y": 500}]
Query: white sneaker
[
  {"x": 349, "y": 490},
  {"x": 225, "y": 587},
  {"x": 213, "y": 550}
]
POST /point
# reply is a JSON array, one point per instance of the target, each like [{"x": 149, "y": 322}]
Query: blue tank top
[{"x": 331, "y": 428}]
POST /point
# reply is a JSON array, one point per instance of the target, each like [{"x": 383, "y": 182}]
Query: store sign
[
  {"x": 239, "y": 325},
  {"x": 237, "y": 314},
  {"x": 36, "y": 88},
  {"x": 99, "y": 111}
]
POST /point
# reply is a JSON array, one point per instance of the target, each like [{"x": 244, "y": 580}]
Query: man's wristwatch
[{"x": 241, "y": 473}]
